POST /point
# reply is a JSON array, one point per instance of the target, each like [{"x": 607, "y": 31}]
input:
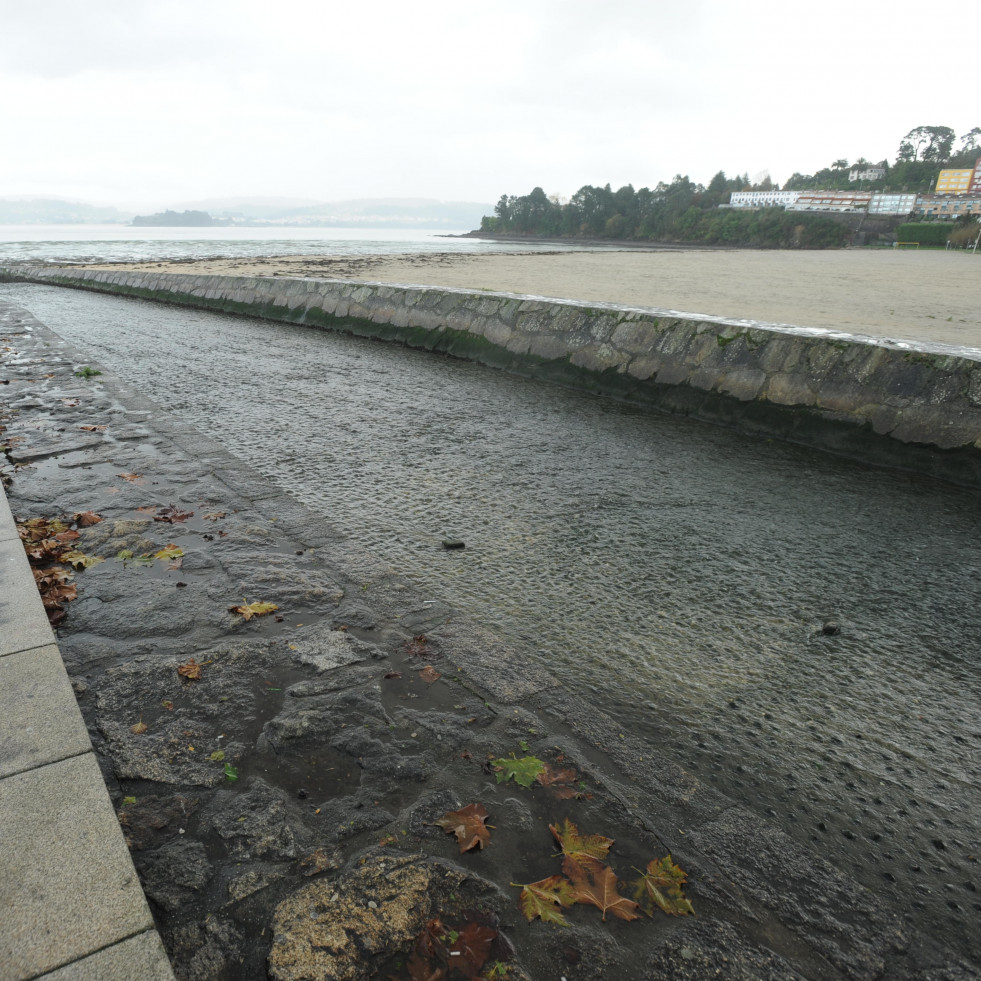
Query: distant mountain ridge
[
  {"x": 246, "y": 211},
  {"x": 55, "y": 211}
]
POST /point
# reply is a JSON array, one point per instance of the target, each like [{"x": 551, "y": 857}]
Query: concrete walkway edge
[{"x": 72, "y": 903}]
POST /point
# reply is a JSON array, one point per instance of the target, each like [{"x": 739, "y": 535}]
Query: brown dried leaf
[
  {"x": 430, "y": 674},
  {"x": 423, "y": 969},
  {"x": 469, "y": 952},
  {"x": 468, "y": 824},
  {"x": 596, "y": 883},
  {"x": 561, "y": 783},
  {"x": 191, "y": 670},
  {"x": 171, "y": 514}
]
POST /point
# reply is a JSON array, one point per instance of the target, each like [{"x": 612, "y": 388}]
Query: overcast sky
[{"x": 150, "y": 104}]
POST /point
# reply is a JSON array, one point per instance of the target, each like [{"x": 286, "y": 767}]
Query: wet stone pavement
[{"x": 280, "y": 807}]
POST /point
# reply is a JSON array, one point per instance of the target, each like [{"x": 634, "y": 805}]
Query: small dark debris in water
[
  {"x": 302, "y": 794},
  {"x": 180, "y": 585},
  {"x": 830, "y": 628},
  {"x": 453, "y": 543}
]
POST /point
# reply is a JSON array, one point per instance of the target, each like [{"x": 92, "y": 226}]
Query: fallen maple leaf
[
  {"x": 139, "y": 728},
  {"x": 250, "y": 610},
  {"x": 213, "y": 515},
  {"x": 582, "y": 849},
  {"x": 130, "y": 476},
  {"x": 470, "y": 950},
  {"x": 168, "y": 553},
  {"x": 80, "y": 560},
  {"x": 523, "y": 771},
  {"x": 422, "y": 969},
  {"x": 93, "y": 429},
  {"x": 430, "y": 674},
  {"x": 468, "y": 824},
  {"x": 596, "y": 883},
  {"x": 85, "y": 519},
  {"x": 418, "y": 646},
  {"x": 661, "y": 886},
  {"x": 543, "y": 898},
  {"x": 191, "y": 670},
  {"x": 562, "y": 783},
  {"x": 172, "y": 515}
]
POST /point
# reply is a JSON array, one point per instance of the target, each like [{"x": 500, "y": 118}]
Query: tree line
[
  {"x": 681, "y": 212},
  {"x": 685, "y": 212}
]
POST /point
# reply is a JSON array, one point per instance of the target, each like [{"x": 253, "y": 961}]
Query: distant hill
[
  {"x": 55, "y": 211},
  {"x": 358, "y": 213},
  {"x": 245, "y": 211}
]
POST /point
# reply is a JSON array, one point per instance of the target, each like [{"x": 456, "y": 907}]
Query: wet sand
[{"x": 907, "y": 295}]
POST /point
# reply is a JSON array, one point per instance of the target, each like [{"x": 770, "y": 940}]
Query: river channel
[{"x": 678, "y": 573}]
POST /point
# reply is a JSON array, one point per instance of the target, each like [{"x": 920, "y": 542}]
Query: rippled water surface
[{"x": 678, "y": 572}]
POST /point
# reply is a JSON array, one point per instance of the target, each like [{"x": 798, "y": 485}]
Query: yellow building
[{"x": 954, "y": 181}]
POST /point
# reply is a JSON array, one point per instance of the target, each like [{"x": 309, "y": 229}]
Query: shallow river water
[{"x": 677, "y": 572}]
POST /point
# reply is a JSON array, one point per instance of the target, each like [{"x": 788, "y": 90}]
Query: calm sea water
[
  {"x": 122, "y": 243},
  {"x": 675, "y": 573}
]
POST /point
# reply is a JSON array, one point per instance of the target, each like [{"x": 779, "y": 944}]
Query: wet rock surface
[{"x": 280, "y": 807}]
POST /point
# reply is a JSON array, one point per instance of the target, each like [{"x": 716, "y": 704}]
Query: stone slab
[
  {"x": 23, "y": 622},
  {"x": 68, "y": 887},
  {"x": 141, "y": 958},
  {"x": 41, "y": 719},
  {"x": 8, "y": 529}
]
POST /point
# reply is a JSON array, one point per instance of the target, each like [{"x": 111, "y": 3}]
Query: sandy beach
[{"x": 908, "y": 295}]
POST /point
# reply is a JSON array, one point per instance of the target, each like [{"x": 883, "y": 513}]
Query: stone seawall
[{"x": 885, "y": 402}]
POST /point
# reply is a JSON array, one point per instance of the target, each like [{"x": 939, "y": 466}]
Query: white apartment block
[
  {"x": 889, "y": 203},
  {"x": 763, "y": 199},
  {"x": 869, "y": 174},
  {"x": 831, "y": 201}
]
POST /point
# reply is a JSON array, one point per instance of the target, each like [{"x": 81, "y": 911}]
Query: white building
[
  {"x": 869, "y": 174},
  {"x": 831, "y": 201},
  {"x": 889, "y": 203},
  {"x": 763, "y": 199}
]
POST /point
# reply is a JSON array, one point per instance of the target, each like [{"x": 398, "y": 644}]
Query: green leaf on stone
[
  {"x": 523, "y": 771},
  {"x": 218, "y": 755},
  {"x": 124, "y": 553},
  {"x": 230, "y": 772}
]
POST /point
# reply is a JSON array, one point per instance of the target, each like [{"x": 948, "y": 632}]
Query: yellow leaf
[
  {"x": 169, "y": 552},
  {"x": 250, "y": 610}
]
